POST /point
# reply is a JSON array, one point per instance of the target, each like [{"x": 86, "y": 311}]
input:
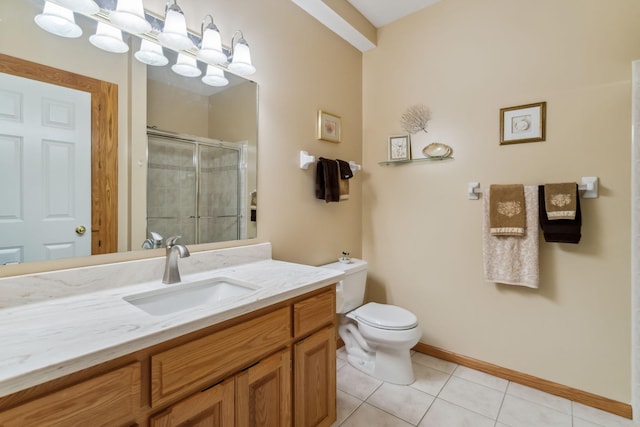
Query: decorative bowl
[{"x": 437, "y": 149}]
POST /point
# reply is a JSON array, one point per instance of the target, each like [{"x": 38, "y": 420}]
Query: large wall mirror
[{"x": 172, "y": 157}]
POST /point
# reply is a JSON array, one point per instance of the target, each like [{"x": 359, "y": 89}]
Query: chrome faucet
[{"x": 174, "y": 251}]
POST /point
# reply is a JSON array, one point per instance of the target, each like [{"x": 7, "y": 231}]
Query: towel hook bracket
[
  {"x": 473, "y": 190},
  {"x": 306, "y": 160},
  {"x": 589, "y": 184}
]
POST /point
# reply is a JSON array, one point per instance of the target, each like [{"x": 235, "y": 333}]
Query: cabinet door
[
  {"x": 263, "y": 393},
  {"x": 211, "y": 408},
  {"x": 110, "y": 399},
  {"x": 315, "y": 379}
]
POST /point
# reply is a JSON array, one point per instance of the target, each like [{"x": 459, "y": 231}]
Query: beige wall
[
  {"x": 177, "y": 110},
  {"x": 467, "y": 59}
]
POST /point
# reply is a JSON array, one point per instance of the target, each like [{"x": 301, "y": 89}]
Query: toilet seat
[{"x": 384, "y": 316}]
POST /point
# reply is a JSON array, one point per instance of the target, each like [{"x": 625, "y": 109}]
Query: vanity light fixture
[
  {"x": 241, "y": 56},
  {"x": 186, "y": 65},
  {"x": 129, "y": 15},
  {"x": 211, "y": 46},
  {"x": 88, "y": 7},
  {"x": 151, "y": 53},
  {"x": 108, "y": 38},
  {"x": 58, "y": 20},
  {"x": 215, "y": 76},
  {"x": 174, "y": 34}
]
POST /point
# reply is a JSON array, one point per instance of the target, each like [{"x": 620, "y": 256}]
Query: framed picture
[
  {"x": 399, "y": 147},
  {"x": 524, "y": 123},
  {"x": 329, "y": 126}
]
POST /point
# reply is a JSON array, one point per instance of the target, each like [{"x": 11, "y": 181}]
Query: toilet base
[
  {"x": 389, "y": 366},
  {"x": 390, "y": 363}
]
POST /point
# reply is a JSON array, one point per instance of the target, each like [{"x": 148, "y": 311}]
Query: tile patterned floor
[{"x": 448, "y": 395}]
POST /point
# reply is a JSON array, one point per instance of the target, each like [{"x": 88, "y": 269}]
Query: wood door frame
[{"x": 104, "y": 143}]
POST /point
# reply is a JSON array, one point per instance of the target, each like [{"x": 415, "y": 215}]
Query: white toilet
[{"x": 377, "y": 337}]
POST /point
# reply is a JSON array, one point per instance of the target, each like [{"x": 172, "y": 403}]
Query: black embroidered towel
[{"x": 559, "y": 230}]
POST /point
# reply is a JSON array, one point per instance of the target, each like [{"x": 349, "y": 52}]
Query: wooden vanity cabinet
[
  {"x": 111, "y": 399},
  {"x": 242, "y": 372}
]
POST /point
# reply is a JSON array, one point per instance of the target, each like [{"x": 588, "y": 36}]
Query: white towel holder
[
  {"x": 306, "y": 160},
  {"x": 588, "y": 185}
]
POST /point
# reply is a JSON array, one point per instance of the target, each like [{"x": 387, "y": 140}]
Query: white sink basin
[{"x": 190, "y": 295}]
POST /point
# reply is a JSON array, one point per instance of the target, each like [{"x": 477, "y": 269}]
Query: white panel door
[{"x": 45, "y": 171}]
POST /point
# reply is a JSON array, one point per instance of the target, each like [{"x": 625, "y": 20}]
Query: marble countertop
[{"x": 48, "y": 339}]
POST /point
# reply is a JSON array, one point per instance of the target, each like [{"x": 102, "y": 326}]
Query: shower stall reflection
[{"x": 196, "y": 188}]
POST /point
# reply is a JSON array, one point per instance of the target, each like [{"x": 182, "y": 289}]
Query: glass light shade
[
  {"x": 174, "y": 33},
  {"x": 151, "y": 53},
  {"x": 186, "y": 66},
  {"x": 211, "y": 48},
  {"x": 241, "y": 62},
  {"x": 215, "y": 76},
  {"x": 129, "y": 15},
  {"x": 58, "y": 20},
  {"x": 88, "y": 7},
  {"x": 108, "y": 38}
]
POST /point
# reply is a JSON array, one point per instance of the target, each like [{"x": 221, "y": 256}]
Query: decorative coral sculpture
[{"x": 415, "y": 118}]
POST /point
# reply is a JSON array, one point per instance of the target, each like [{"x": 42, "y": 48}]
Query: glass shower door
[
  {"x": 219, "y": 193},
  {"x": 171, "y": 189}
]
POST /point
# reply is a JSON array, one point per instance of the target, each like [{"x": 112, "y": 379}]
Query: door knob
[{"x": 80, "y": 230}]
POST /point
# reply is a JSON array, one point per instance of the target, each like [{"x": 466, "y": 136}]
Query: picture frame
[
  {"x": 523, "y": 123},
  {"x": 399, "y": 148},
  {"x": 329, "y": 126}
]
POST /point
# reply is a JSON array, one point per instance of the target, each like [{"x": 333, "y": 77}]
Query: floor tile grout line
[{"x": 504, "y": 396}]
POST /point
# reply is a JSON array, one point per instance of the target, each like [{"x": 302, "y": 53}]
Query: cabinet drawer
[
  {"x": 108, "y": 399},
  {"x": 314, "y": 312},
  {"x": 197, "y": 364}
]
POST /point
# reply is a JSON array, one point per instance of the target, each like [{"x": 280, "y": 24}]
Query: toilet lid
[{"x": 385, "y": 316}]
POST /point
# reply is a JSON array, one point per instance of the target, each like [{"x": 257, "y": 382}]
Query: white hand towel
[{"x": 508, "y": 259}]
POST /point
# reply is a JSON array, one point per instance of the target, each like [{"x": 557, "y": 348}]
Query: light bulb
[
  {"x": 129, "y": 15},
  {"x": 215, "y": 76},
  {"x": 174, "y": 33},
  {"x": 186, "y": 66},
  {"x": 151, "y": 53},
  {"x": 58, "y": 20},
  {"x": 108, "y": 38}
]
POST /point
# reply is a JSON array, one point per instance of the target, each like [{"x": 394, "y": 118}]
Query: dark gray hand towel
[{"x": 327, "y": 180}]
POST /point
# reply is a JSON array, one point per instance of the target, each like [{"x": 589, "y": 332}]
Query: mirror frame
[{"x": 104, "y": 143}]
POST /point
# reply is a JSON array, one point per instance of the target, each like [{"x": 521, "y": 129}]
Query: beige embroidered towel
[
  {"x": 509, "y": 259},
  {"x": 560, "y": 200},
  {"x": 343, "y": 184},
  {"x": 507, "y": 210}
]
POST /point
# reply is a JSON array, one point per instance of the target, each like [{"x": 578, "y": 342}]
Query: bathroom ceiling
[{"x": 383, "y": 12}]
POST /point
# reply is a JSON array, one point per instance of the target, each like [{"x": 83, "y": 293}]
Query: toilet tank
[{"x": 350, "y": 290}]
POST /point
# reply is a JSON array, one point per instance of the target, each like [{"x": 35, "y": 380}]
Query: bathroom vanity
[{"x": 265, "y": 357}]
